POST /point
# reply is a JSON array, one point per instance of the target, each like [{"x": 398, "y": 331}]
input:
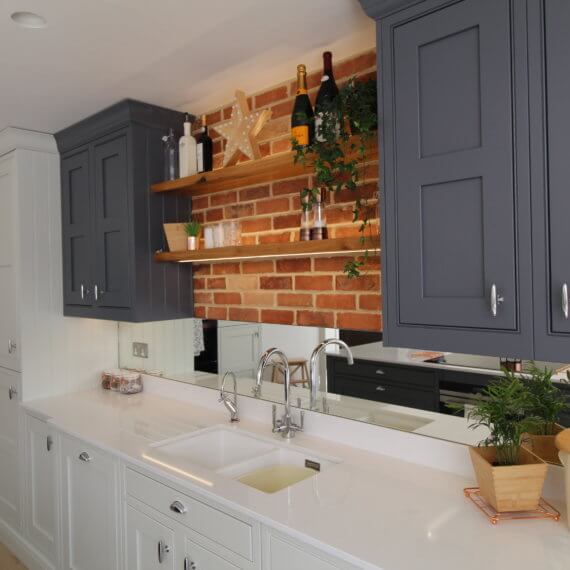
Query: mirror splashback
[{"x": 407, "y": 389}]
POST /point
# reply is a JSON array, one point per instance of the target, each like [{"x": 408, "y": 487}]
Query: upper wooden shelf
[
  {"x": 268, "y": 169},
  {"x": 327, "y": 247}
]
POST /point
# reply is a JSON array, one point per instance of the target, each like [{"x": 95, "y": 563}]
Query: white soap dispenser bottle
[{"x": 187, "y": 151}]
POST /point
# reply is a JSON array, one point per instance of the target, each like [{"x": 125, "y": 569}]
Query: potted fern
[
  {"x": 192, "y": 229},
  {"x": 510, "y": 477},
  {"x": 547, "y": 402}
]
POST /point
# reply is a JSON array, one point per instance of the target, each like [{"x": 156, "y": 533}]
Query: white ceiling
[{"x": 186, "y": 54}]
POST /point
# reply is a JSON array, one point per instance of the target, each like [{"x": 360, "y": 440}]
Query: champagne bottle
[
  {"x": 204, "y": 149},
  {"x": 328, "y": 92},
  {"x": 302, "y": 118}
]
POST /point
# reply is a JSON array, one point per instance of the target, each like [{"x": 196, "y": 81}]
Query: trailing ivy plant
[{"x": 338, "y": 153}]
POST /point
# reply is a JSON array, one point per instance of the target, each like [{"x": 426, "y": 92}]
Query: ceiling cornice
[
  {"x": 12, "y": 139},
  {"x": 378, "y": 9}
]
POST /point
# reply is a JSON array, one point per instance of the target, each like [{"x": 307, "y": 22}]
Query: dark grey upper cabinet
[
  {"x": 455, "y": 178},
  {"x": 112, "y": 224},
  {"x": 550, "y": 124}
]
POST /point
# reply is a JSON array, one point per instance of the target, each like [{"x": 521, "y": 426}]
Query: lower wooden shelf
[{"x": 322, "y": 248}]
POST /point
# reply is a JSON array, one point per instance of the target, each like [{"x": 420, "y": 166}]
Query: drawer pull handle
[
  {"x": 11, "y": 346},
  {"x": 189, "y": 565},
  {"x": 49, "y": 442},
  {"x": 84, "y": 456},
  {"x": 565, "y": 300},
  {"x": 380, "y": 388},
  {"x": 178, "y": 507},
  {"x": 12, "y": 392},
  {"x": 163, "y": 550},
  {"x": 380, "y": 371}
]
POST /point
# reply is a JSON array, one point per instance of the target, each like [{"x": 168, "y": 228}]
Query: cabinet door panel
[
  {"x": 112, "y": 223},
  {"x": 9, "y": 321},
  {"x": 557, "y": 20},
  {"x": 204, "y": 559},
  {"x": 76, "y": 229},
  {"x": 456, "y": 234},
  {"x": 42, "y": 514},
  {"x": 90, "y": 508},
  {"x": 144, "y": 536},
  {"x": 9, "y": 461}
]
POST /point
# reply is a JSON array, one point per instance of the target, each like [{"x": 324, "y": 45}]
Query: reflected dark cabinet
[{"x": 112, "y": 224}]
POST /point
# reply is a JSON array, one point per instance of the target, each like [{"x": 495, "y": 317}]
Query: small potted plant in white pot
[
  {"x": 547, "y": 402},
  {"x": 192, "y": 229},
  {"x": 509, "y": 476}
]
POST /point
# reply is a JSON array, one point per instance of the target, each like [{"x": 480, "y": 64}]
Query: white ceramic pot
[{"x": 192, "y": 243}]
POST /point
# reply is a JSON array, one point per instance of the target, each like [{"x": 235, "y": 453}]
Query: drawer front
[
  {"x": 388, "y": 392},
  {"x": 203, "y": 559},
  {"x": 378, "y": 371},
  {"x": 226, "y": 530}
]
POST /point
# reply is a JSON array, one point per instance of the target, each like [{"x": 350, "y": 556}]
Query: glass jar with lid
[{"x": 130, "y": 383}]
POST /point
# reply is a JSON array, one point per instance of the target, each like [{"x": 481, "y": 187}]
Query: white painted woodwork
[
  {"x": 10, "y": 500},
  {"x": 239, "y": 348},
  {"x": 42, "y": 489},
  {"x": 91, "y": 508},
  {"x": 56, "y": 354},
  {"x": 143, "y": 537},
  {"x": 202, "y": 558},
  {"x": 9, "y": 325},
  {"x": 281, "y": 552}
]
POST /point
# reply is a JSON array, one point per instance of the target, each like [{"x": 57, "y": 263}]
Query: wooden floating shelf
[
  {"x": 268, "y": 169},
  {"x": 322, "y": 248}
]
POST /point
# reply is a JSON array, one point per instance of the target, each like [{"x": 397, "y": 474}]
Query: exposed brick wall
[{"x": 312, "y": 292}]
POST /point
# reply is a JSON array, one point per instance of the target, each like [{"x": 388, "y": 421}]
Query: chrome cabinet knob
[
  {"x": 189, "y": 565},
  {"x": 163, "y": 550},
  {"x": 11, "y": 346},
  {"x": 380, "y": 371},
  {"x": 178, "y": 507},
  {"x": 565, "y": 300},
  {"x": 84, "y": 456},
  {"x": 49, "y": 442},
  {"x": 12, "y": 392},
  {"x": 380, "y": 388},
  {"x": 496, "y": 300}
]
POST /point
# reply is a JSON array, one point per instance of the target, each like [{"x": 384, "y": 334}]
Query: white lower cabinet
[
  {"x": 281, "y": 552},
  {"x": 150, "y": 544},
  {"x": 91, "y": 507},
  {"x": 10, "y": 499},
  {"x": 41, "y": 515}
]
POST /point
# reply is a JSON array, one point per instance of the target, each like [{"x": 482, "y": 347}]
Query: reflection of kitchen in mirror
[{"x": 415, "y": 390}]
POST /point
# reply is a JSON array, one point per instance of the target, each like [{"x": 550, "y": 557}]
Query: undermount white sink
[{"x": 255, "y": 462}]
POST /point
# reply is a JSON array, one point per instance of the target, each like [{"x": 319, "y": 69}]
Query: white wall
[{"x": 295, "y": 342}]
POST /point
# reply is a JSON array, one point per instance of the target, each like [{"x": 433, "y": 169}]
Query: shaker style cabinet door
[
  {"x": 10, "y": 510},
  {"x": 76, "y": 229},
  {"x": 552, "y": 192},
  {"x": 112, "y": 253},
  {"x": 10, "y": 348},
  {"x": 90, "y": 504},
  {"x": 451, "y": 204},
  {"x": 150, "y": 545},
  {"x": 42, "y": 517}
]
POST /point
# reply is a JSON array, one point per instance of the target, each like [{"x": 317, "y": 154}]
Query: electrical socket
[{"x": 140, "y": 349}]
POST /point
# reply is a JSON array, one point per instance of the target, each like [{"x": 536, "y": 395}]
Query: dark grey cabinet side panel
[
  {"x": 76, "y": 228},
  {"x": 455, "y": 195},
  {"x": 549, "y": 21},
  {"x": 111, "y": 222}
]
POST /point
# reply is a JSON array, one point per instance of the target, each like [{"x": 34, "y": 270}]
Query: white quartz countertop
[{"x": 374, "y": 511}]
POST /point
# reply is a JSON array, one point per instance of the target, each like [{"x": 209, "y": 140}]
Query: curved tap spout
[
  {"x": 314, "y": 366},
  {"x": 230, "y": 402}
]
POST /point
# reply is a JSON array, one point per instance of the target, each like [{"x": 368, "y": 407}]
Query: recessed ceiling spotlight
[{"x": 29, "y": 20}]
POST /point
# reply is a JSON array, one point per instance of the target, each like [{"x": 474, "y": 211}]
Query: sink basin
[
  {"x": 278, "y": 469},
  {"x": 213, "y": 448},
  {"x": 406, "y": 422},
  {"x": 259, "y": 463},
  {"x": 276, "y": 477}
]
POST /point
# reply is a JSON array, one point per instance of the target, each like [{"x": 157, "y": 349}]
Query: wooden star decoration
[{"x": 242, "y": 129}]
